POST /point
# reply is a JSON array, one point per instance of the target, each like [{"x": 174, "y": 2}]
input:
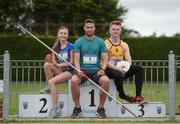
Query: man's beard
[{"x": 89, "y": 34}]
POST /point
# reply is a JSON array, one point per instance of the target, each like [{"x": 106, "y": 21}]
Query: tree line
[{"x": 45, "y": 16}]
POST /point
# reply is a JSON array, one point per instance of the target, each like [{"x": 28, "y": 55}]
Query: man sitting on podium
[
  {"x": 89, "y": 51},
  {"x": 118, "y": 51}
]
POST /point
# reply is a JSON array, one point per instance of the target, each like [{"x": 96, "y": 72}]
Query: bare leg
[
  {"x": 75, "y": 80},
  {"x": 104, "y": 81},
  {"x": 50, "y": 69},
  {"x": 61, "y": 78}
]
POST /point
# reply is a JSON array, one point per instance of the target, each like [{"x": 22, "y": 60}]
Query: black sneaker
[
  {"x": 101, "y": 113},
  {"x": 77, "y": 112}
]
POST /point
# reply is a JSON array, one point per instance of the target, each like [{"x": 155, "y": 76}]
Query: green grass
[
  {"x": 95, "y": 121},
  {"x": 151, "y": 92}
]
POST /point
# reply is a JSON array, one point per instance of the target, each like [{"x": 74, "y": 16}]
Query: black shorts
[
  {"x": 69, "y": 69},
  {"x": 92, "y": 74}
]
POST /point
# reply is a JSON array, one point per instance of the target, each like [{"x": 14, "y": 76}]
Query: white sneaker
[
  {"x": 45, "y": 90},
  {"x": 55, "y": 112}
]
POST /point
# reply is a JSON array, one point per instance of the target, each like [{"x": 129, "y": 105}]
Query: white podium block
[
  {"x": 89, "y": 100},
  {"x": 152, "y": 109},
  {"x": 39, "y": 105}
]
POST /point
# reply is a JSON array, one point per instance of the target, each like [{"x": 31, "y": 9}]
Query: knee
[
  {"x": 50, "y": 82},
  {"x": 47, "y": 65},
  {"x": 48, "y": 58},
  {"x": 104, "y": 80},
  {"x": 74, "y": 80}
]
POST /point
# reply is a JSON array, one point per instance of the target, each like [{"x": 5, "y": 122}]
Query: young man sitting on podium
[
  {"x": 118, "y": 51},
  {"x": 89, "y": 51}
]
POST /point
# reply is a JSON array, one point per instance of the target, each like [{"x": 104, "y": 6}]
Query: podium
[
  {"x": 39, "y": 105},
  {"x": 89, "y": 99},
  {"x": 152, "y": 109}
]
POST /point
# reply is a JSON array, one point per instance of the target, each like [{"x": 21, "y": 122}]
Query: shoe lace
[
  {"x": 51, "y": 111},
  {"x": 76, "y": 111},
  {"x": 102, "y": 112}
]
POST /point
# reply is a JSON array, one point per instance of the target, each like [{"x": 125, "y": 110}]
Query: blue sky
[{"x": 148, "y": 16}]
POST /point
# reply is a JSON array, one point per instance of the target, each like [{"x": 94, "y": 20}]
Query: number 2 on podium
[{"x": 44, "y": 100}]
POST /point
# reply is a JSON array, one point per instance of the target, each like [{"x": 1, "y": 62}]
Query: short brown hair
[
  {"x": 63, "y": 27},
  {"x": 115, "y": 22},
  {"x": 89, "y": 21}
]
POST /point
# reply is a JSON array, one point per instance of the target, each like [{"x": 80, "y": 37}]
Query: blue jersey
[{"x": 65, "y": 52}]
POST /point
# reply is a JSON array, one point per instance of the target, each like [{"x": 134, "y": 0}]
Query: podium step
[
  {"x": 39, "y": 105},
  {"x": 150, "y": 109}
]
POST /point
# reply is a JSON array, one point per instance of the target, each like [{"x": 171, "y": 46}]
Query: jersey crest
[{"x": 115, "y": 51}]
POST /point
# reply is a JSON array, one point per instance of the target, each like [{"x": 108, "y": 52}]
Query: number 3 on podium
[{"x": 141, "y": 109}]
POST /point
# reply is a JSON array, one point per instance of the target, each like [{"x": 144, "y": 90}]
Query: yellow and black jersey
[{"x": 115, "y": 51}]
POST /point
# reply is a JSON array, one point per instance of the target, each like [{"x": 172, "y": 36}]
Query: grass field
[{"x": 151, "y": 91}]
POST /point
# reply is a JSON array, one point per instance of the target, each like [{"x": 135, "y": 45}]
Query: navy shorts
[
  {"x": 69, "y": 69},
  {"x": 92, "y": 74}
]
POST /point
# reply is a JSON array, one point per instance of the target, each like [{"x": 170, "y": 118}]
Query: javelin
[{"x": 22, "y": 28}]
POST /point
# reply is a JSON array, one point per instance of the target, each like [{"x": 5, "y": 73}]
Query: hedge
[
  {"x": 153, "y": 48},
  {"x": 25, "y": 47}
]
